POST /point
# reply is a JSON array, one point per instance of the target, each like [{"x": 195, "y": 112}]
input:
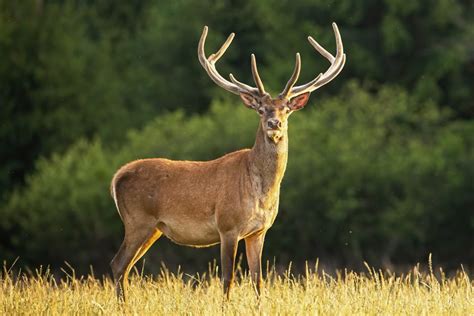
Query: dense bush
[
  {"x": 377, "y": 177},
  {"x": 57, "y": 85},
  {"x": 73, "y": 69}
]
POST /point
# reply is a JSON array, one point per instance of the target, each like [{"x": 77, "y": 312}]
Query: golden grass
[{"x": 348, "y": 293}]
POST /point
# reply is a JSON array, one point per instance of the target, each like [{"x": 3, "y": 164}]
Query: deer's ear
[
  {"x": 299, "y": 102},
  {"x": 249, "y": 100}
]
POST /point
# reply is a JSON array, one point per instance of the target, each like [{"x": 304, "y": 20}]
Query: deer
[{"x": 221, "y": 201}]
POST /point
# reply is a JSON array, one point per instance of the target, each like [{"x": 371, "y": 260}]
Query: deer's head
[{"x": 274, "y": 112}]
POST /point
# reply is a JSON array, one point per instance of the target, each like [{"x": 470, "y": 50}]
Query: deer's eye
[
  {"x": 287, "y": 110},
  {"x": 260, "y": 111}
]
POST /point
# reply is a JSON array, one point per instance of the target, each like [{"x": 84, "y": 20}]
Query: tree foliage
[
  {"x": 379, "y": 178},
  {"x": 57, "y": 85},
  {"x": 97, "y": 68}
]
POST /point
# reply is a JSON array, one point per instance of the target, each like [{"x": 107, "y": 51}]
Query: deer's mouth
[{"x": 274, "y": 135}]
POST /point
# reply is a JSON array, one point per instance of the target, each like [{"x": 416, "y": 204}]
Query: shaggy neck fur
[{"x": 267, "y": 167}]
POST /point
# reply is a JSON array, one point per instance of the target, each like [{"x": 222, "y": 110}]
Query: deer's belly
[{"x": 201, "y": 233}]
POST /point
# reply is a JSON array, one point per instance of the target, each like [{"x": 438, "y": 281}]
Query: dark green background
[{"x": 381, "y": 164}]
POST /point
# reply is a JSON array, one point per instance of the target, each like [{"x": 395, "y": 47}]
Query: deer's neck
[{"x": 267, "y": 167}]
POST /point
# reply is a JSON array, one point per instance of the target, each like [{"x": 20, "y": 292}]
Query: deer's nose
[{"x": 274, "y": 123}]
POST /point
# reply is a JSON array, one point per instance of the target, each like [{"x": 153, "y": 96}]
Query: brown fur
[
  {"x": 234, "y": 197},
  {"x": 201, "y": 204}
]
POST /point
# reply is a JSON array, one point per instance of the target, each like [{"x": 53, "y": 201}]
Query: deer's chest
[{"x": 260, "y": 218}]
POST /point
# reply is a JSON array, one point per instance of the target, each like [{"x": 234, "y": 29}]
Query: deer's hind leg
[{"x": 135, "y": 244}]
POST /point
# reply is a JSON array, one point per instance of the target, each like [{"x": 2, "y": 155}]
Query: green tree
[
  {"x": 372, "y": 179},
  {"x": 85, "y": 68},
  {"x": 57, "y": 85}
]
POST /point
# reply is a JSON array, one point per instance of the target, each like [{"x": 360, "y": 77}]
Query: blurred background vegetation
[{"x": 381, "y": 163}]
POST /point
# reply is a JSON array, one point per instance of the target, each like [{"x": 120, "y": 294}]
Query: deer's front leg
[
  {"x": 228, "y": 251},
  {"x": 253, "y": 248}
]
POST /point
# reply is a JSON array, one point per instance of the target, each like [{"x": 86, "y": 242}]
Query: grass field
[{"x": 347, "y": 293}]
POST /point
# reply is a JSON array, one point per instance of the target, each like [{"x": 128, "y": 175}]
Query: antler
[
  {"x": 234, "y": 86},
  {"x": 337, "y": 63}
]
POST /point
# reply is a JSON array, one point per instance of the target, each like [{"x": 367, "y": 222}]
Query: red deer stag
[{"x": 233, "y": 197}]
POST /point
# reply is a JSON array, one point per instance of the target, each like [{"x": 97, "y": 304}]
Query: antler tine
[
  {"x": 337, "y": 63},
  {"x": 325, "y": 78},
  {"x": 209, "y": 64},
  {"x": 216, "y": 56},
  {"x": 321, "y": 49},
  {"x": 260, "y": 90},
  {"x": 242, "y": 85},
  {"x": 294, "y": 77},
  {"x": 256, "y": 76}
]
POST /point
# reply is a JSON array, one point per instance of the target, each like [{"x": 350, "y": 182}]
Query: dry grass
[{"x": 348, "y": 293}]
